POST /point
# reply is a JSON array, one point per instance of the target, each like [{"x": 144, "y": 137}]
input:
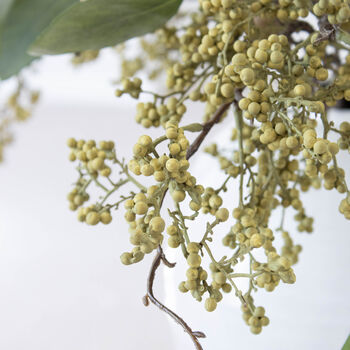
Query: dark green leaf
[
  {"x": 95, "y": 24},
  {"x": 25, "y": 20},
  {"x": 4, "y": 9}
]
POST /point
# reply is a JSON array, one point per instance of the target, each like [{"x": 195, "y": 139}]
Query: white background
[{"x": 62, "y": 286}]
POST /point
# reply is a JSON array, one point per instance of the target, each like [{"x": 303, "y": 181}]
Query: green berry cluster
[
  {"x": 18, "y": 108},
  {"x": 131, "y": 87},
  {"x": 256, "y": 319},
  {"x": 93, "y": 168},
  {"x": 337, "y": 11},
  {"x": 146, "y": 232},
  {"x": 242, "y": 64},
  {"x": 92, "y": 157}
]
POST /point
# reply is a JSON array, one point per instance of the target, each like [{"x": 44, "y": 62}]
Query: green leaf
[
  {"x": 195, "y": 127},
  {"x": 95, "y": 24},
  {"x": 25, "y": 20},
  {"x": 4, "y": 9},
  {"x": 347, "y": 344}
]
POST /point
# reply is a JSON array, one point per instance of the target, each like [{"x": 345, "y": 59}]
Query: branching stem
[
  {"x": 160, "y": 257},
  {"x": 206, "y": 128}
]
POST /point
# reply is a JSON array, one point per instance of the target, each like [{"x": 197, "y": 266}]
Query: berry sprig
[{"x": 241, "y": 61}]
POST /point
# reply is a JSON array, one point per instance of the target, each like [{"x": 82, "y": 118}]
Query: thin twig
[
  {"x": 239, "y": 127},
  {"x": 160, "y": 257},
  {"x": 206, "y": 128}
]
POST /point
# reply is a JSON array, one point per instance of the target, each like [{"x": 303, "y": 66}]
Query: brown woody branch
[
  {"x": 206, "y": 128},
  {"x": 160, "y": 257},
  {"x": 298, "y": 26}
]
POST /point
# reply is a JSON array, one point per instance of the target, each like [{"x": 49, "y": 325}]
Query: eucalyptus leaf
[
  {"x": 95, "y": 24},
  {"x": 4, "y": 9},
  {"x": 5, "y": 6},
  {"x": 25, "y": 20}
]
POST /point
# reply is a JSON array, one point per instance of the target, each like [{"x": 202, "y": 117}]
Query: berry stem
[
  {"x": 160, "y": 257},
  {"x": 206, "y": 128}
]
